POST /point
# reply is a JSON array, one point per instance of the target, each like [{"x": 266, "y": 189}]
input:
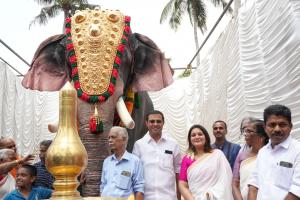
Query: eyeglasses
[
  {"x": 248, "y": 131},
  {"x": 152, "y": 121}
]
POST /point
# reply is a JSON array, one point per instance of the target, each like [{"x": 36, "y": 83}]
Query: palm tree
[
  {"x": 197, "y": 13},
  {"x": 54, "y": 7}
]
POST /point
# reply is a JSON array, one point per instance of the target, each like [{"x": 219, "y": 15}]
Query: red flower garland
[{"x": 114, "y": 75}]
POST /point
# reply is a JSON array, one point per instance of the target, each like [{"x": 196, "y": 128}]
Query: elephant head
[{"x": 89, "y": 55}]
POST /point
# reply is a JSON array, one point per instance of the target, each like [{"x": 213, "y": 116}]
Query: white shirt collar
[
  {"x": 149, "y": 138},
  {"x": 285, "y": 144}
]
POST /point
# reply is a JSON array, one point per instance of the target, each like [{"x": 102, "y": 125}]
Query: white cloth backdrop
[
  {"x": 25, "y": 114},
  {"x": 254, "y": 63}
]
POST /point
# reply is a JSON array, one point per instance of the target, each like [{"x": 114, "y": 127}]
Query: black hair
[
  {"x": 155, "y": 112},
  {"x": 225, "y": 125},
  {"x": 260, "y": 131},
  {"x": 207, "y": 147},
  {"x": 46, "y": 143},
  {"x": 278, "y": 110},
  {"x": 30, "y": 168}
]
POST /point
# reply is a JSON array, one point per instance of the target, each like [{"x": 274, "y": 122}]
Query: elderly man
[
  {"x": 161, "y": 160},
  {"x": 277, "y": 173},
  {"x": 122, "y": 172},
  {"x": 7, "y": 183},
  {"x": 8, "y": 143}
]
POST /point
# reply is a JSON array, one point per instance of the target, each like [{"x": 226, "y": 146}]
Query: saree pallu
[
  {"x": 246, "y": 168},
  {"x": 209, "y": 177}
]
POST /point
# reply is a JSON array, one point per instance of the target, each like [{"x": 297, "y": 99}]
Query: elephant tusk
[
  {"x": 124, "y": 114},
  {"x": 53, "y": 128}
]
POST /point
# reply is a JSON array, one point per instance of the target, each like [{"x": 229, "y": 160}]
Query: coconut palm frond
[
  {"x": 222, "y": 3},
  {"x": 73, "y": 8},
  {"x": 217, "y": 2},
  {"x": 46, "y": 12},
  {"x": 190, "y": 13},
  {"x": 166, "y": 11},
  {"x": 177, "y": 14},
  {"x": 199, "y": 11},
  {"x": 56, "y": 6},
  {"x": 45, "y": 2}
]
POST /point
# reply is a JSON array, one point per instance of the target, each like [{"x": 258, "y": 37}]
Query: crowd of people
[{"x": 266, "y": 167}]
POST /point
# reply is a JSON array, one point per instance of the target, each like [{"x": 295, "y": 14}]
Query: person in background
[
  {"x": 9, "y": 143},
  {"x": 7, "y": 183},
  {"x": 122, "y": 172},
  {"x": 277, "y": 171},
  {"x": 244, "y": 123},
  {"x": 26, "y": 176},
  {"x": 229, "y": 149},
  {"x": 205, "y": 172},
  {"x": 44, "y": 178},
  {"x": 8, "y": 166},
  {"x": 245, "y": 162},
  {"x": 161, "y": 160}
]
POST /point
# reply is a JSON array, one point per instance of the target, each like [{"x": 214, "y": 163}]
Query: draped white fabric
[
  {"x": 254, "y": 63},
  {"x": 25, "y": 114}
]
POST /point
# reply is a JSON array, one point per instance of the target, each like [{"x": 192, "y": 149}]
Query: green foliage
[
  {"x": 53, "y": 8},
  {"x": 196, "y": 9}
]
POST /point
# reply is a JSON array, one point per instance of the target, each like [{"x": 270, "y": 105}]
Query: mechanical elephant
[{"x": 106, "y": 62}]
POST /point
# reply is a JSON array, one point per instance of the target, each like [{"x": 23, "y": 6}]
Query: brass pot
[{"x": 66, "y": 157}]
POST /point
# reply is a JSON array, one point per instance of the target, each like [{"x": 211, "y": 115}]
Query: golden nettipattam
[{"x": 66, "y": 157}]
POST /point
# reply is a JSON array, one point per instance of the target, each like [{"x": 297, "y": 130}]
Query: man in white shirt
[
  {"x": 161, "y": 160},
  {"x": 277, "y": 173}
]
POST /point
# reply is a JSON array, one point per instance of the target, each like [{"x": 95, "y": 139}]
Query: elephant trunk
[{"x": 124, "y": 114}]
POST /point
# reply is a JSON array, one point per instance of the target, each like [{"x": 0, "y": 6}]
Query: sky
[{"x": 145, "y": 15}]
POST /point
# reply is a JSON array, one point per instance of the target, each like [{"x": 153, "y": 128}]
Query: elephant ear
[
  {"x": 48, "y": 70},
  {"x": 152, "y": 71}
]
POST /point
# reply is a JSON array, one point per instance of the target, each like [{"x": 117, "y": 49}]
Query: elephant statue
[{"x": 108, "y": 64}]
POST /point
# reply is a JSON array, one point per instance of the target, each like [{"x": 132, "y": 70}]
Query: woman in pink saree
[{"x": 205, "y": 173}]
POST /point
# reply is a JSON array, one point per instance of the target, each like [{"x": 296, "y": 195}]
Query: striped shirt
[{"x": 44, "y": 178}]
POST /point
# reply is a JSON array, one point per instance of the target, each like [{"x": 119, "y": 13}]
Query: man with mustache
[{"x": 277, "y": 173}]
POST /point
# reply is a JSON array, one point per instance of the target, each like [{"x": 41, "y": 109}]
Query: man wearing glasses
[
  {"x": 161, "y": 160},
  {"x": 277, "y": 173}
]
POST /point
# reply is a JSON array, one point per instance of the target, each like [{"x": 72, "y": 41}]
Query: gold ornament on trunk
[{"x": 66, "y": 157}]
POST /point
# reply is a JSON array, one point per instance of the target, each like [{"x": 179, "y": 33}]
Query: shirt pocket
[
  {"x": 283, "y": 177},
  {"x": 167, "y": 161},
  {"x": 123, "y": 182}
]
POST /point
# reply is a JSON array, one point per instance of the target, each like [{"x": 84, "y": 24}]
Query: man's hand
[{"x": 26, "y": 159}]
